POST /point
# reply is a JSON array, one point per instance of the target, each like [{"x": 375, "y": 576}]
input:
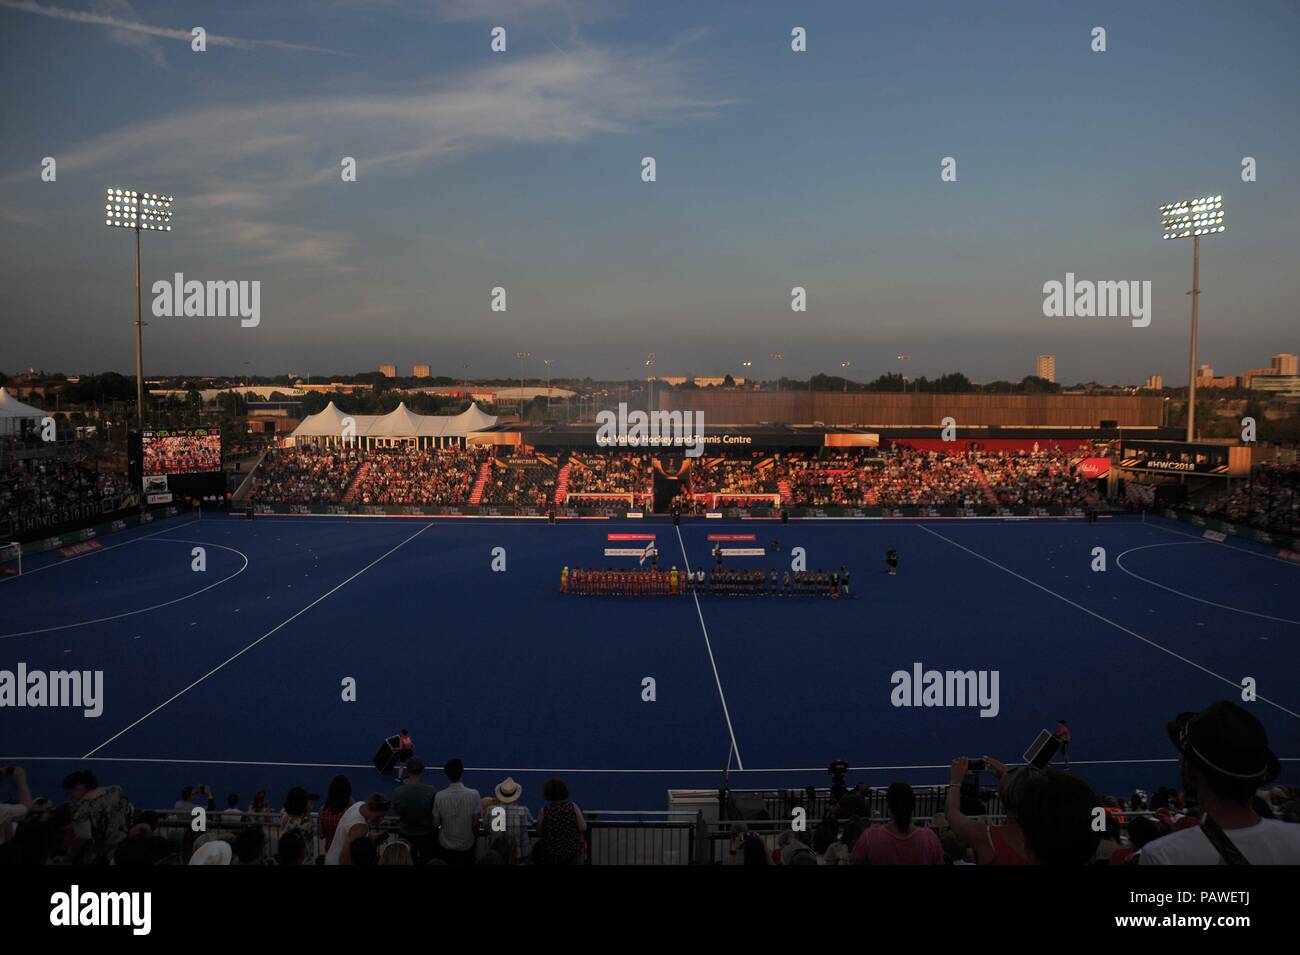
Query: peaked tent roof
[
  {"x": 11, "y": 407},
  {"x": 401, "y": 422}
]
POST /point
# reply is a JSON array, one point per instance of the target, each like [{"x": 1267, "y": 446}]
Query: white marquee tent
[
  {"x": 401, "y": 426},
  {"x": 13, "y": 413}
]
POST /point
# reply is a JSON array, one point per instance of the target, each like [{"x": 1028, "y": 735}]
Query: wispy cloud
[
  {"x": 120, "y": 26},
  {"x": 258, "y": 158}
]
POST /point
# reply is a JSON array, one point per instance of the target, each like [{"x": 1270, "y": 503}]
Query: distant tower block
[{"x": 1046, "y": 368}]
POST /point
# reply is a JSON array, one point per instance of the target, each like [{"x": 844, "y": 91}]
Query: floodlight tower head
[
  {"x": 1192, "y": 218},
  {"x": 142, "y": 211}
]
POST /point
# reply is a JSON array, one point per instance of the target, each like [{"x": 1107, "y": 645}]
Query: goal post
[{"x": 11, "y": 559}]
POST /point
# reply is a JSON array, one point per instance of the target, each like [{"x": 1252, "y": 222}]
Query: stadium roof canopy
[
  {"x": 401, "y": 422},
  {"x": 13, "y": 413}
]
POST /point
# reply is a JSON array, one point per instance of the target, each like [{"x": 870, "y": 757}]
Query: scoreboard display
[{"x": 181, "y": 451}]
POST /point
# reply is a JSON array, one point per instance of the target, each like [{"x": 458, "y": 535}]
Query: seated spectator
[
  {"x": 249, "y": 846},
  {"x": 396, "y": 852},
  {"x": 143, "y": 845},
  {"x": 898, "y": 842},
  {"x": 1055, "y": 812},
  {"x": 1141, "y": 830},
  {"x": 213, "y": 852},
  {"x": 1224, "y": 758},
  {"x": 292, "y": 849}
]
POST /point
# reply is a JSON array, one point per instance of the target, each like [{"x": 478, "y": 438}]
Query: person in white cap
[
  {"x": 216, "y": 852},
  {"x": 510, "y": 817}
]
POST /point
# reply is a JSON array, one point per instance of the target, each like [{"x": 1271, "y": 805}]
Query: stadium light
[
  {"x": 778, "y": 358},
  {"x": 1193, "y": 219},
  {"x": 139, "y": 212},
  {"x": 904, "y": 358},
  {"x": 845, "y": 366},
  {"x": 521, "y": 355}
]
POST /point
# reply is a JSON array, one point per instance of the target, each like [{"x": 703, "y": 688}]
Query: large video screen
[{"x": 181, "y": 450}]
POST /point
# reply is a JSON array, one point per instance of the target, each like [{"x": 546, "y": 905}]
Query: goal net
[{"x": 11, "y": 559}]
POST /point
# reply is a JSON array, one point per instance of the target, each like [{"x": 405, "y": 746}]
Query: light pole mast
[
  {"x": 1191, "y": 363},
  {"x": 1192, "y": 219},
  {"x": 128, "y": 209}
]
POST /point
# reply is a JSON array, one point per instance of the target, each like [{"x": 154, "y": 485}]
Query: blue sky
[{"x": 775, "y": 169}]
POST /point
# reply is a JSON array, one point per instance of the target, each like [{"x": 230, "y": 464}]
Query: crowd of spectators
[
  {"x": 420, "y": 476},
  {"x": 1270, "y": 499},
  {"x": 593, "y": 474},
  {"x": 49, "y": 490},
  {"x": 1040, "y": 478},
  {"x": 1228, "y": 810},
  {"x": 909, "y": 478},
  {"x": 899, "y": 478},
  {"x": 522, "y": 483},
  {"x": 1225, "y": 814},
  {"x": 306, "y": 475},
  {"x": 753, "y": 473},
  {"x": 414, "y": 823}
]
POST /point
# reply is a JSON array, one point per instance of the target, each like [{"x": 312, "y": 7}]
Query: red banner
[
  {"x": 1094, "y": 467},
  {"x": 75, "y": 550},
  {"x": 733, "y": 537},
  {"x": 631, "y": 537}
]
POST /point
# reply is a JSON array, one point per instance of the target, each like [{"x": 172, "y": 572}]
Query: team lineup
[{"x": 721, "y": 581}]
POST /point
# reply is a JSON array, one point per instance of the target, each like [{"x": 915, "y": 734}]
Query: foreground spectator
[
  {"x": 101, "y": 817},
  {"x": 991, "y": 845},
  {"x": 413, "y": 802},
  {"x": 337, "y": 800},
  {"x": 291, "y": 848},
  {"x": 297, "y": 818},
  {"x": 456, "y": 811},
  {"x": 353, "y": 829},
  {"x": 12, "y": 813},
  {"x": 1224, "y": 757},
  {"x": 1055, "y": 811},
  {"x": 518, "y": 820},
  {"x": 396, "y": 852},
  {"x": 560, "y": 827},
  {"x": 898, "y": 842}
]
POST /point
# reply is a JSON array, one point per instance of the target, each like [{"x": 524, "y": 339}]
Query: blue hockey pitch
[{"x": 234, "y": 675}]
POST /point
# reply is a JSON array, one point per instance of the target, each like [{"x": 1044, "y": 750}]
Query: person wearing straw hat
[{"x": 508, "y": 816}]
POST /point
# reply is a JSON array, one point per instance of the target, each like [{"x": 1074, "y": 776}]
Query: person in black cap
[
  {"x": 891, "y": 561},
  {"x": 1224, "y": 758}
]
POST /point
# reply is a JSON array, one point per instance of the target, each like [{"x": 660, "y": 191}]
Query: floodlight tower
[
  {"x": 1192, "y": 219},
  {"x": 521, "y": 355},
  {"x": 128, "y": 209}
]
